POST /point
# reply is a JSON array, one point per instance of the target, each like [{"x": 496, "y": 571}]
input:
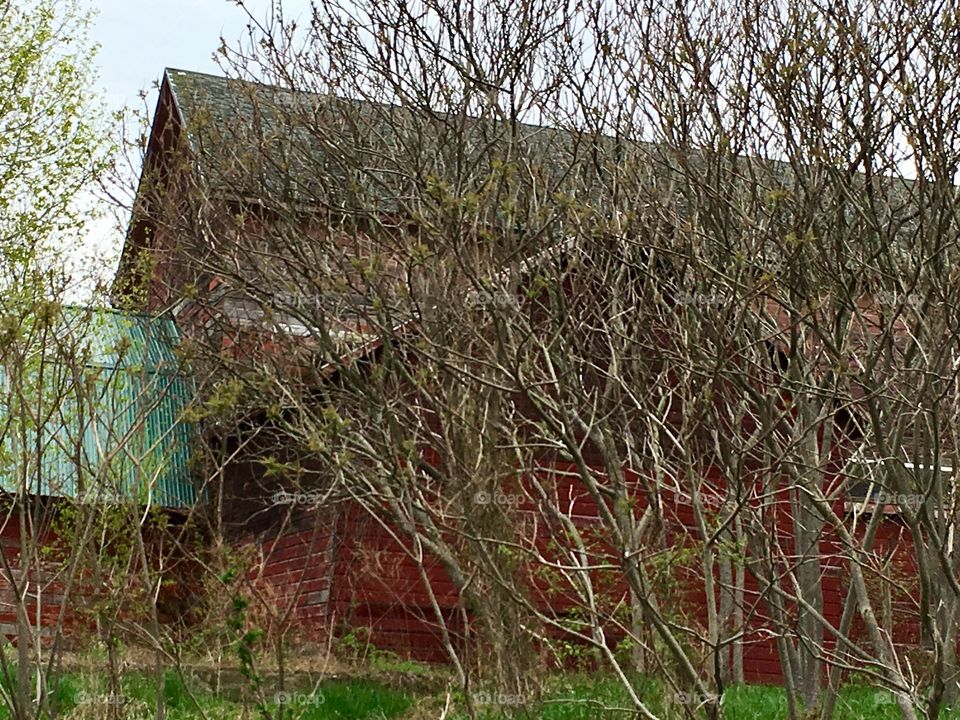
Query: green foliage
[
  {"x": 222, "y": 400},
  {"x": 353, "y": 644},
  {"x": 51, "y": 146},
  {"x": 247, "y": 644}
]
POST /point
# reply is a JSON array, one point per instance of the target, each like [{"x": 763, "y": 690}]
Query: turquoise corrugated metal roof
[{"x": 111, "y": 425}]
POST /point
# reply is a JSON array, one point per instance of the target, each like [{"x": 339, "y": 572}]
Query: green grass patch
[
  {"x": 88, "y": 696},
  {"x": 853, "y": 703},
  {"x": 584, "y": 698},
  {"x": 569, "y": 697},
  {"x": 754, "y": 701},
  {"x": 343, "y": 700}
]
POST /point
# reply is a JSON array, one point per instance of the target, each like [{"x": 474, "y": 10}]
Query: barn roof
[
  {"x": 253, "y": 142},
  {"x": 297, "y": 139},
  {"x": 102, "y": 416}
]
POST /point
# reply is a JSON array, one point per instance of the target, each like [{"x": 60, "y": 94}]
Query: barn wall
[
  {"x": 343, "y": 572},
  {"x": 51, "y": 602},
  {"x": 48, "y": 585},
  {"x": 380, "y": 596},
  {"x": 293, "y": 569}
]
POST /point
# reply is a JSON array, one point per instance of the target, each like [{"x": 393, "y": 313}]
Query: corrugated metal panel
[{"x": 119, "y": 431}]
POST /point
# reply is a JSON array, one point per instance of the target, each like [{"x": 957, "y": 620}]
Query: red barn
[{"x": 334, "y": 567}]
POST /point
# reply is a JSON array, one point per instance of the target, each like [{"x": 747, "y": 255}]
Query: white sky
[{"x": 138, "y": 38}]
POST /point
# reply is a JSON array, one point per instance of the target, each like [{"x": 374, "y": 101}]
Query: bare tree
[{"x": 675, "y": 283}]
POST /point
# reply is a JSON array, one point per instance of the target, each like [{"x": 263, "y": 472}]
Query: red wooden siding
[{"x": 346, "y": 573}]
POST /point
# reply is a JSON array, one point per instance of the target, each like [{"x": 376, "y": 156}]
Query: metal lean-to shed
[{"x": 98, "y": 412}]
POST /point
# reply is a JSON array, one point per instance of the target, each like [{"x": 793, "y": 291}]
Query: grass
[
  {"x": 585, "y": 698},
  {"x": 346, "y": 700},
  {"x": 140, "y": 690},
  {"x": 86, "y": 696},
  {"x": 853, "y": 703},
  {"x": 571, "y": 697},
  {"x": 332, "y": 700}
]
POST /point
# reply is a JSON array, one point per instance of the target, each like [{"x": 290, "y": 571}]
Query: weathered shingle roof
[
  {"x": 263, "y": 141},
  {"x": 243, "y": 142}
]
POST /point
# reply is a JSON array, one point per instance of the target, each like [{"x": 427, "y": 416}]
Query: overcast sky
[{"x": 139, "y": 38}]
